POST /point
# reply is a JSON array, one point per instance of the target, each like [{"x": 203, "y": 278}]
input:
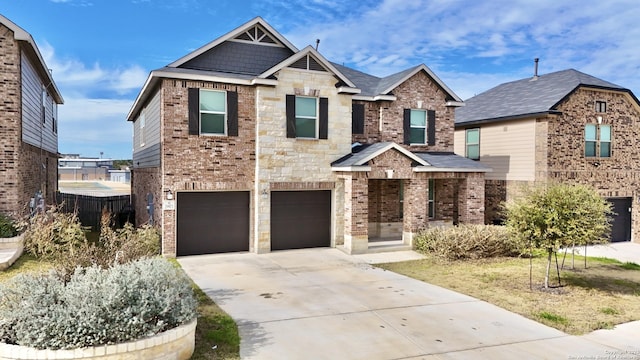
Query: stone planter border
[
  {"x": 16, "y": 244},
  {"x": 177, "y": 343}
]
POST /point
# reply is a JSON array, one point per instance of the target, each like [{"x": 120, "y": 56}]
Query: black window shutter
[
  {"x": 406, "y": 126},
  {"x": 291, "y": 116},
  {"x": 194, "y": 111},
  {"x": 232, "y": 113},
  {"x": 323, "y": 126},
  {"x": 431, "y": 127},
  {"x": 357, "y": 118}
]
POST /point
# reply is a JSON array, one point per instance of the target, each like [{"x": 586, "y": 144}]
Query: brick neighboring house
[
  {"x": 565, "y": 126},
  {"x": 250, "y": 144},
  {"x": 28, "y": 121}
]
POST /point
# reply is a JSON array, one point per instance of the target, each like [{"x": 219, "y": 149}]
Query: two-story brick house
[
  {"x": 565, "y": 126},
  {"x": 28, "y": 122},
  {"x": 250, "y": 144}
]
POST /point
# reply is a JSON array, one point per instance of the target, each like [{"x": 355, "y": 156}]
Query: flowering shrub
[{"x": 95, "y": 306}]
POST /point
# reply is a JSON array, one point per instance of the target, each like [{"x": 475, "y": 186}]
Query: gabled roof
[
  {"x": 19, "y": 34},
  {"x": 321, "y": 61},
  {"x": 373, "y": 86},
  {"x": 528, "y": 97},
  {"x": 257, "y": 22},
  {"x": 360, "y": 156}
]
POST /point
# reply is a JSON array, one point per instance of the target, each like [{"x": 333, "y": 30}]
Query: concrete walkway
[{"x": 324, "y": 304}]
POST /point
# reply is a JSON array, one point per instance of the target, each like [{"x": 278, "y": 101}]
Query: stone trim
[
  {"x": 293, "y": 185},
  {"x": 176, "y": 343}
]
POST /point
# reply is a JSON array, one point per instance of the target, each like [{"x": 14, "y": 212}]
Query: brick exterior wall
[
  {"x": 146, "y": 181},
  {"x": 471, "y": 199},
  {"x": 21, "y": 165},
  {"x": 617, "y": 176},
  {"x": 356, "y": 213},
  {"x": 417, "y": 88}
]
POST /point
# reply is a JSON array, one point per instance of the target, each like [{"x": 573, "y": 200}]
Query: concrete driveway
[{"x": 324, "y": 304}]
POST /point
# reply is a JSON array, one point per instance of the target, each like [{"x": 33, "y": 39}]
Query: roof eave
[
  {"x": 351, "y": 168},
  {"x": 421, "y": 169},
  {"x": 426, "y": 69},
  {"x": 375, "y": 97},
  {"x": 506, "y": 118}
]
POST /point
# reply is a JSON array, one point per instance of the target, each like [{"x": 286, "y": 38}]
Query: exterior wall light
[{"x": 169, "y": 195}]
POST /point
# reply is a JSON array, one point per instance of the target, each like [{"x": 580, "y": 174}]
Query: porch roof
[{"x": 361, "y": 154}]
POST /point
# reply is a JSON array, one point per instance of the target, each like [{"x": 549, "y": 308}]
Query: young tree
[{"x": 559, "y": 215}]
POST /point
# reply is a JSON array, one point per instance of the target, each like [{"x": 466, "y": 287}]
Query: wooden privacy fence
[{"x": 89, "y": 208}]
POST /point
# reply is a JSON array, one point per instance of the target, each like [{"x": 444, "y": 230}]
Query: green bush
[
  {"x": 468, "y": 242},
  {"x": 95, "y": 306},
  {"x": 7, "y": 227}
]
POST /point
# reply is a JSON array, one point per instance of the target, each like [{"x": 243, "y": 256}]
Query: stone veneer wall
[
  {"x": 203, "y": 163},
  {"x": 282, "y": 162}
]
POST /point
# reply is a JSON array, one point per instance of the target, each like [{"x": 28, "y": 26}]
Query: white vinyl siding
[{"x": 34, "y": 130}]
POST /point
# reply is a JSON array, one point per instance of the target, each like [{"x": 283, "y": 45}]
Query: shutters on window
[
  {"x": 357, "y": 119},
  {"x": 431, "y": 127},
  {"x": 323, "y": 125}
]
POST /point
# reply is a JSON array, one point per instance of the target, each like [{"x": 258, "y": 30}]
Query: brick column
[
  {"x": 471, "y": 199},
  {"x": 416, "y": 217},
  {"x": 356, "y": 213}
]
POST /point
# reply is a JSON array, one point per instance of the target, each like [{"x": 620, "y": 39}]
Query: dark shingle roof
[
  {"x": 238, "y": 58},
  {"x": 370, "y": 85},
  {"x": 527, "y": 96},
  {"x": 441, "y": 161}
]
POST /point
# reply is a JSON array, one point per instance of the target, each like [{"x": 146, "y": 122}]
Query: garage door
[
  {"x": 212, "y": 222},
  {"x": 300, "y": 219},
  {"x": 621, "y": 225}
]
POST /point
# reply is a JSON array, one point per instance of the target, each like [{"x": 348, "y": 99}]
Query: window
[
  {"x": 213, "y": 112},
  {"x": 419, "y": 127},
  {"x": 54, "y": 110},
  {"x": 601, "y": 106},
  {"x": 597, "y": 140},
  {"x": 473, "y": 144},
  {"x": 306, "y": 117},
  {"x": 142, "y": 125},
  {"x": 432, "y": 196}
]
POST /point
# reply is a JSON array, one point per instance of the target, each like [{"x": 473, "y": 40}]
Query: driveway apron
[{"x": 324, "y": 304}]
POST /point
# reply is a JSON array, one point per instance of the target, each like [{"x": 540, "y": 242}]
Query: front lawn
[{"x": 605, "y": 294}]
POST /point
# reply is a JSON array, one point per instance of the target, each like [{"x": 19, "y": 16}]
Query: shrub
[
  {"x": 468, "y": 242},
  {"x": 53, "y": 235},
  {"x": 7, "y": 227},
  {"x": 96, "y": 306}
]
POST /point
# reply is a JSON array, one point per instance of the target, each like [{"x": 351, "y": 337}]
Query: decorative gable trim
[
  {"x": 388, "y": 147},
  {"x": 237, "y": 35},
  {"x": 257, "y": 35},
  {"x": 308, "y": 53}
]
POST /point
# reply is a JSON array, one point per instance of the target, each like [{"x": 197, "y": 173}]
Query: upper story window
[
  {"x": 472, "y": 143},
  {"x": 601, "y": 106},
  {"x": 142, "y": 126},
  {"x": 419, "y": 127},
  {"x": 213, "y": 112},
  {"x": 307, "y": 117},
  {"x": 597, "y": 140}
]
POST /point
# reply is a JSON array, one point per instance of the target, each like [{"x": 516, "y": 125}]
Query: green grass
[{"x": 601, "y": 296}]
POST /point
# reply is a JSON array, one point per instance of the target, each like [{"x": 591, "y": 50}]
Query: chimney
[{"x": 535, "y": 68}]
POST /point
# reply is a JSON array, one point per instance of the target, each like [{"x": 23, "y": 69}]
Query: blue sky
[{"x": 101, "y": 51}]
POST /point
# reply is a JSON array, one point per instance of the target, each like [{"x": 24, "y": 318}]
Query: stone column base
[{"x": 356, "y": 244}]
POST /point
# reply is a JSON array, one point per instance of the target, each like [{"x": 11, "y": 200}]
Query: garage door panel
[
  {"x": 212, "y": 222},
  {"x": 300, "y": 219}
]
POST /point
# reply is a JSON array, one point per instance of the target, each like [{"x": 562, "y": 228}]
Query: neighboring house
[
  {"x": 565, "y": 126},
  {"x": 122, "y": 176},
  {"x": 249, "y": 144},
  {"x": 28, "y": 122},
  {"x": 75, "y": 168}
]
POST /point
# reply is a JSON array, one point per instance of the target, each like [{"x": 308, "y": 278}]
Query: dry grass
[{"x": 603, "y": 295}]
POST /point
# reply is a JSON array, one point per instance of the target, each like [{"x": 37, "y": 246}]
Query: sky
[{"x": 101, "y": 51}]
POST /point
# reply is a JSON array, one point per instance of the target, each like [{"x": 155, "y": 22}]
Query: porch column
[
  {"x": 356, "y": 213},
  {"x": 416, "y": 217},
  {"x": 471, "y": 199}
]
